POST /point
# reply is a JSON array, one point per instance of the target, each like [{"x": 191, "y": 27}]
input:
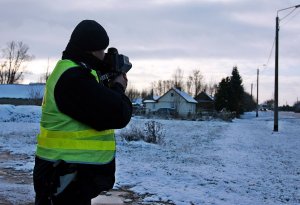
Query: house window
[{"x": 172, "y": 94}]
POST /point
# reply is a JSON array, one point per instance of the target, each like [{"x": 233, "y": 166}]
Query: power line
[
  {"x": 270, "y": 53},
  {"x": 288, "y": 14},
  {"x": 291, "y": 17}
]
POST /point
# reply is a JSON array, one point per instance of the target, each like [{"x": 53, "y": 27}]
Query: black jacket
[{"x": 80, "y": 96}]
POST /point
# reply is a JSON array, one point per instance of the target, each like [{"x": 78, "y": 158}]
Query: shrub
[
  {"x": 152, "y": 132},
  {"x": 133, "y": 133}
]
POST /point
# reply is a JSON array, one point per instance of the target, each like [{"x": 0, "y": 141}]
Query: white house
[{"x": 175, "y": 99}]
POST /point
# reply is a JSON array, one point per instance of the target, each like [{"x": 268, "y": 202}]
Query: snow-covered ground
[{"x": 200, "y": 162}]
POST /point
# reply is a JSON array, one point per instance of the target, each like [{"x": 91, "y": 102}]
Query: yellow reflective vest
[{"x": 62, "y": 137}]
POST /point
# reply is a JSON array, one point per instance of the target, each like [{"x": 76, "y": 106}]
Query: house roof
[
  {"x": 149, "y": 101},
  {"x": 156, "y": 97},
  {"x": 183, "y": 94},
  {"x": 204, "y": 97},
  {"x": 186, "y": 96},
  {"x": 137, "y": 101}
]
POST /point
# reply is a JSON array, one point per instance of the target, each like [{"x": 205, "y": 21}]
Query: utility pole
[
  {"x": 257, "y": 93},
  {"x": 276, "y": 77},
  {"x": 276, "y": 66},
  {"x": 257, "y": 86}
]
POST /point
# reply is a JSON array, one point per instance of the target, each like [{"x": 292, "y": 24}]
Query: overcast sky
[{"x": 160, "y": 36}]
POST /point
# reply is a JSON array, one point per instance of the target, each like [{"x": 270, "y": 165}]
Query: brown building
[{"x": 205, "y": 102}]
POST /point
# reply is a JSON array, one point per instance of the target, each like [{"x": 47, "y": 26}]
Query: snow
[{"x": 200, "y": 162}]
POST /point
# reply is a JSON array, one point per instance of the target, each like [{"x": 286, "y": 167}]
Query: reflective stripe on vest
[{"x": 62, "y": 137}]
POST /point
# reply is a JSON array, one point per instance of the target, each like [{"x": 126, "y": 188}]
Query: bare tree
[
  {"x": 44, "y": 76},
  {"x": 145, "y": 93},
  {"x": 178, "y": 78},
  {"x": 168, "y": 84},
  {"x": 162, "y": 86},
  {"x": 2, "y": 72},
  {"x": 212, "y": 87},
  {"x": 14, "y": 55},
  {"x": 35, "y": 94},
  {"x": 132, "y": 92},
  {"x": 196, "y": 82},
  {"x": 154, "y": 87},
  {"x": 189, "y": 86}
]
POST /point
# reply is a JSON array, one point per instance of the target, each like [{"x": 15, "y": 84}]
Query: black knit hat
[{"x": 89, "y": 35}]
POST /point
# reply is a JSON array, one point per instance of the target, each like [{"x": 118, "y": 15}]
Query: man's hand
[{"x": 122, "y": 79}]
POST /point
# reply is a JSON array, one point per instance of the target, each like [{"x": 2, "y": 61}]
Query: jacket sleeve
[{"x": 80, "y": 96}]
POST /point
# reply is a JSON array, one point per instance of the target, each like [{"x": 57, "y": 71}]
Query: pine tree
[
  {"x": 249, "y": 103},
  {"x": 222, "y": 94},
  {"x": 236, "y": 92},
  {"x": 230, "y": 93}
]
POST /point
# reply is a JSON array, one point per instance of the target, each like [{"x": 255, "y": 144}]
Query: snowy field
[{"x": 200, "y": 162}]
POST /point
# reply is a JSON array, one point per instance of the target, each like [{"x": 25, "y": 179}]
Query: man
[{"x": 75, "y": 157}]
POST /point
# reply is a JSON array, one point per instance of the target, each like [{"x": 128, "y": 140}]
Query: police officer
[{"x": 75, "y": 156}]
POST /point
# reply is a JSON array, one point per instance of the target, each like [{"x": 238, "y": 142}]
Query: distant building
[
  {"x": 182, "y": 103},
  {"x": 205, "y": 102}
]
